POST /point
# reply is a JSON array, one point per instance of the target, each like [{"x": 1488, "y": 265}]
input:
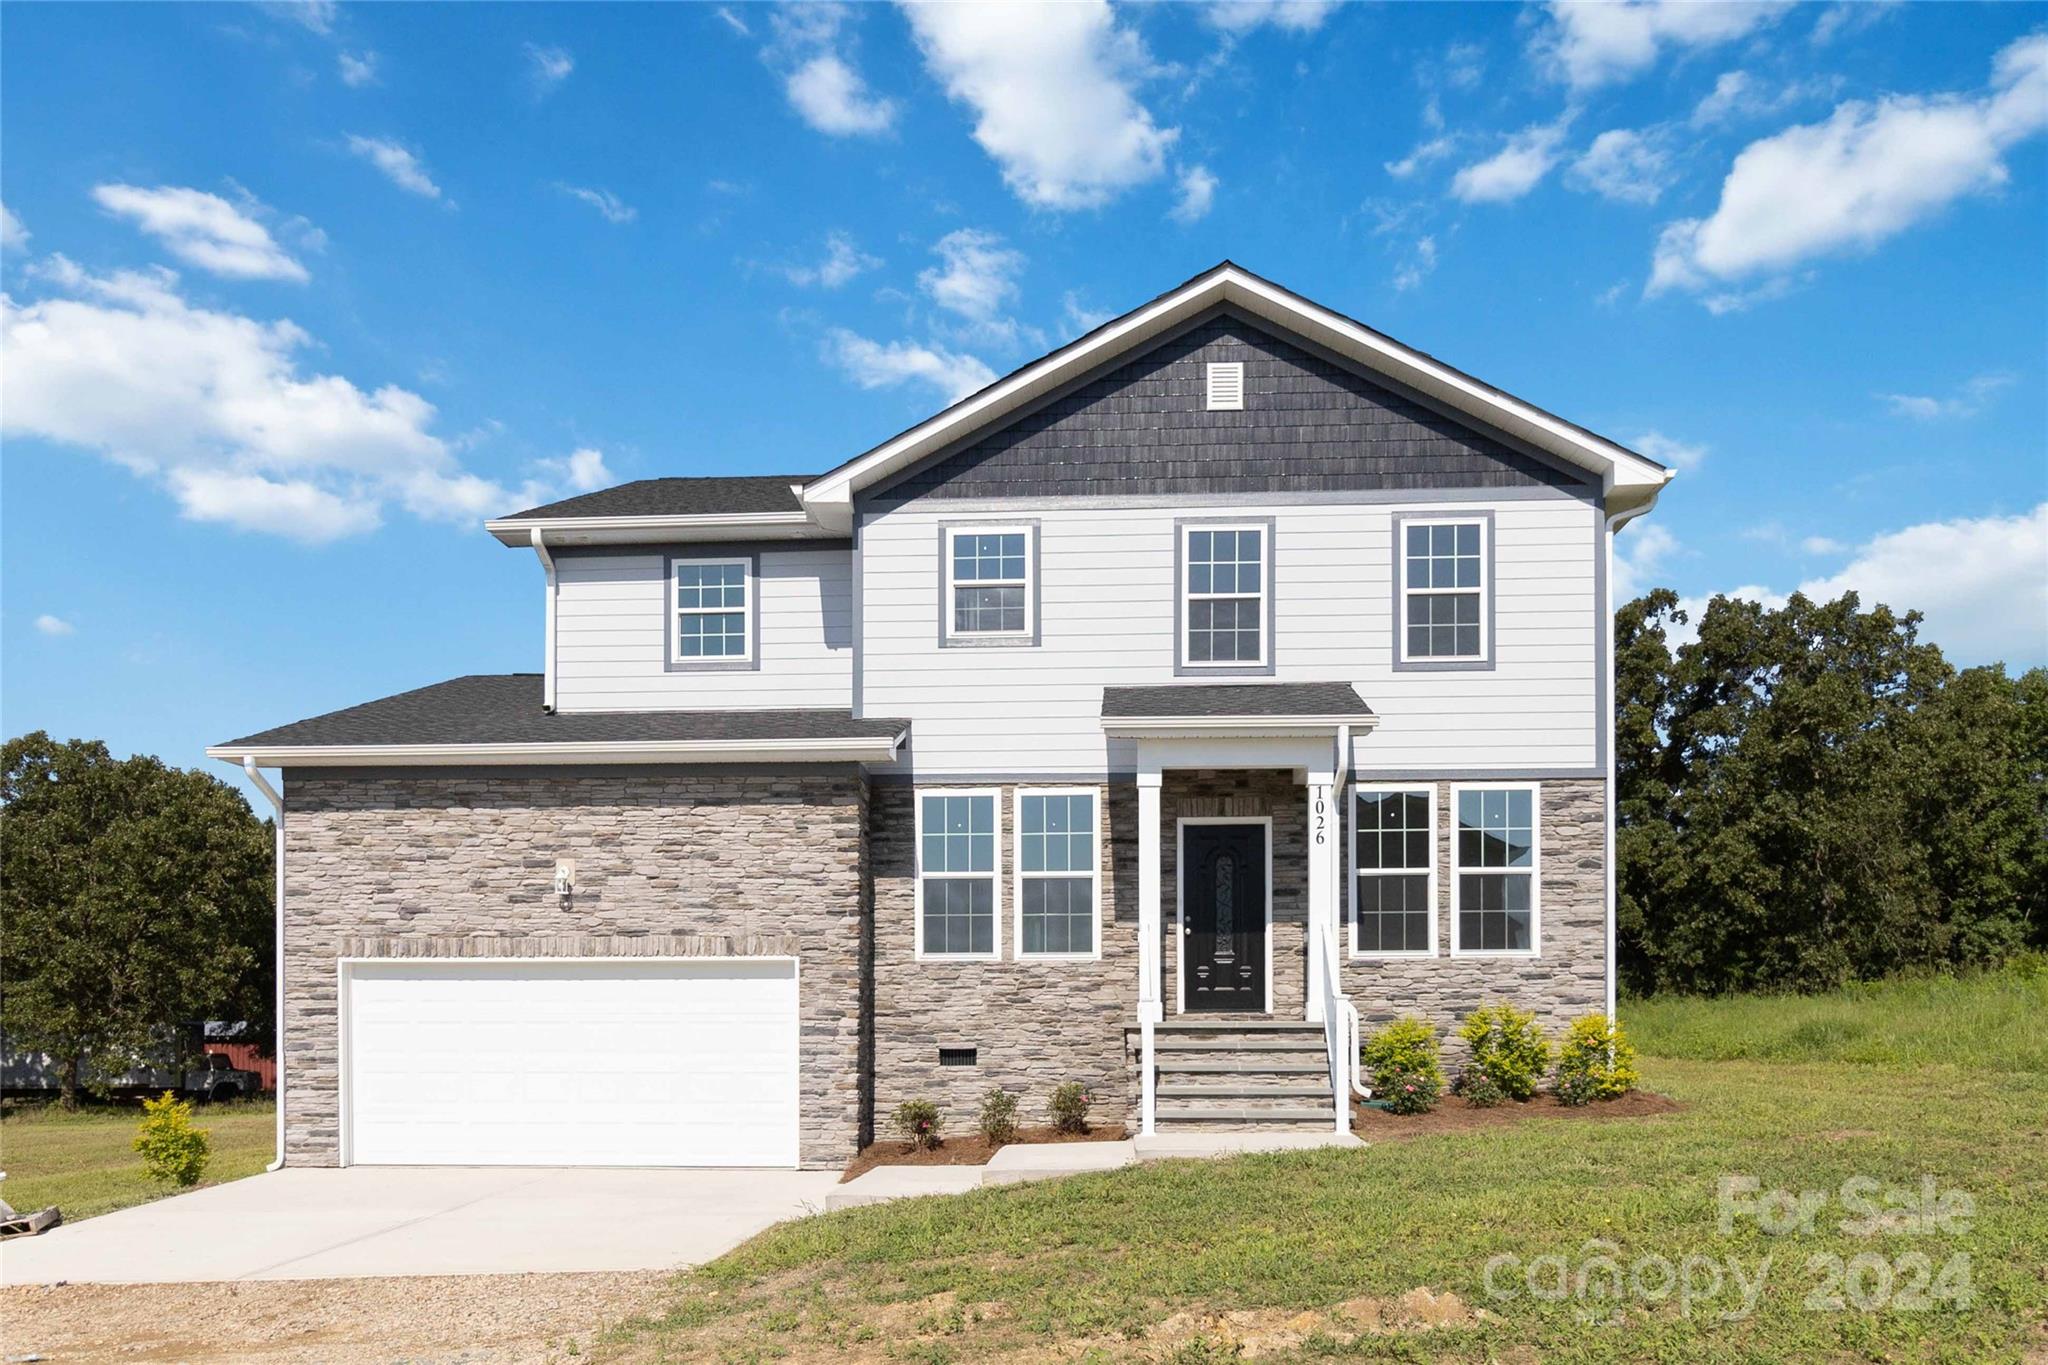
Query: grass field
[
  {"x": 84, "y": 1165},
  {"x": 1321, "y": 1255}
]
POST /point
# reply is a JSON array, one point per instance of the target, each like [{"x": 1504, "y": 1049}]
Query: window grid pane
[
  {"x": 957, "y": 856},
  {"x": 1496, "y": 835},
  {"x": 1056, "y": 835}
]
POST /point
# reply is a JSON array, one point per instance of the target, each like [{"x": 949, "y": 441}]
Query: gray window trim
[
  {"x": 1182, "y": 669},
  {"x": 750, "y": 664},
  {"x": 947, "y": 639},
  {"x": 1487, "y": 581}
]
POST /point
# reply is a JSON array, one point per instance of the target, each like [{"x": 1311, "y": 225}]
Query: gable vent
[{"x": 1226, "y": 386}]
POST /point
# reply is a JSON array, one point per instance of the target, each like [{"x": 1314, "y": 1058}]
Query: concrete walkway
[{"x": 304, "y": 1223}]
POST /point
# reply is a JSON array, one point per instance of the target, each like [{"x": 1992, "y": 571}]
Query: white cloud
[
  {"x": 548, "y": 67},
  {"x": 1197, "y": 195},
  {"x": 204, "y": 230},
  {"x": 1430, "y": 150},
  {"x": 316, "y": 15},
  {"x": 1967, "y": 401},
  {"x": 1665, "y": 450},
  {"x": 400, "y": 165},
  {"x": 875, "y": 365},
  {"x": 733, "y": 21},
  {"x": 13, "y": 236},
  {"x": 819, "y": 78},
  {"x": 580, "y": 471},
  {"x": 1869, "y": 172},
  {"x": 1515, "y": 169},
  {"x": 1850, "y": 16},
  {"x": 357, "y": 69},
  {"x": 1640, "y": 551},
  {"x": 612, "y": 208},
  {"x": 1821, "y": 545},
  {"x": 54, "y": 625},
  {"x": 1077, "y": 318},
  {"x": 1242, "y": 16},
  {"x": 1418, "y": 266},
  {"x": 1594, "y": 43},
  {"x": 976, "y": 276},
  {"x": 1624, "y": 166},
  {"x": 215, "y": 408},
  {"x": 842, "y": 263},
  {"x": 1052, "y": 93}
]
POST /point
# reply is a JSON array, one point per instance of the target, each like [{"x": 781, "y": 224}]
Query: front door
[{"x": 1223, "y": 917}]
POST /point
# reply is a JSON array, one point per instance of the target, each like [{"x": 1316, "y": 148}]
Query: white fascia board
[
  {"x": 1232, "y": 725},
  {"x": 1627, "y": 478},
  {"x": 635, "y": 530},
  {"x": 879, "y": 749}
]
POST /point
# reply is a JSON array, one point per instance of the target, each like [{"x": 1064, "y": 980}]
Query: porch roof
[{"x": 1260, "y": 706}]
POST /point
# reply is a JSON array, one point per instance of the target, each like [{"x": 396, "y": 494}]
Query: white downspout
[
  {"x": 277, "y": 1008},
  {"x": 547, "y": 565},
  {"x": 1614, "y": 523}
]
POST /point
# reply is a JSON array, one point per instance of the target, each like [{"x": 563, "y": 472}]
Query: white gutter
[
  {"x": 876, "y": 749},
  {"x": 720, "y": 526},
  {"x": 277, "y": 1007},
  {"x": 547, "y": 566}
]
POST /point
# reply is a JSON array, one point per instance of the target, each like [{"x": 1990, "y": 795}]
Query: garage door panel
[{"x": 573, "y": 1063}]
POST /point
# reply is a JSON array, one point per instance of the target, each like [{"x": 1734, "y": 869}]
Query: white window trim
[
  {"x": 1429, "y": 790},
  {"x": 1030, "y": 534},
  {"x": 994, "y": 875},
  {"x": 1188, "y": 596},
  {"x": 1535, "y": 869},
  {"x": 1018, "y": 876},
  {"x": 746, "y": 610},
  {"x": 1485, "y": 591}
]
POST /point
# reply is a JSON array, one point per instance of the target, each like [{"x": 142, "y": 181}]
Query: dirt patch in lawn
[
  {"x": 474, "y": 1319},
  {"x": 970, "y": 1149},
  {"x": 1453, "y": 1115}
]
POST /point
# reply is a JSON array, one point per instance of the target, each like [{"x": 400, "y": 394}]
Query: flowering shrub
[
  {"x": 918, "y": 1121},
  {"x": 173, "y": 1151},
  {"x": 1596, "y": 1060},
  {"x": 1508, "y": 1047},
  {"x": 1406, "y": 1072},
  {"x": 1480, "y": 1090},
  {"x": 998, "y": 1116},
  {"x": 1070, "y": 1103}
]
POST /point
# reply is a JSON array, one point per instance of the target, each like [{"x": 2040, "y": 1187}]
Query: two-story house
[{"x": 1149, "y": 718}]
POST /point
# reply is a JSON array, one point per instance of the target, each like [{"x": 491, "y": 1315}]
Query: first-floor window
[
  {"x": 1495, "y": 867},
  {"x": 1056, "y": 871},
  {"x": 956, "y": 874},
  {"x": 1394, "y": 861}
]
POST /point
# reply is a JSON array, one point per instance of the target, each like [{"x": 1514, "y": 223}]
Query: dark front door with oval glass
[{"x": 1223, "y": 916}]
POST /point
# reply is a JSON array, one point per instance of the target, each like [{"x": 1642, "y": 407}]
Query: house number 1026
[{"x": 1322, "y": 816}]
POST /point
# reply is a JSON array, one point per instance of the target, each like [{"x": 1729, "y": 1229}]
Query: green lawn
[
  {"x": 83, "y": 1164},
  {"x": 1202, "y": 1261}
]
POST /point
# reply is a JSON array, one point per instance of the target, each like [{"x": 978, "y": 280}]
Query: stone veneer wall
[
  {"x": 1033, "y": 1024},
  {"x": 669, "y": 861},
  {"x": 1568, "y": 979}
]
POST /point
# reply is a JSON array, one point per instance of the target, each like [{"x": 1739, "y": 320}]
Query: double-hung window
[
  {"x": 1494, "y": 870},
  {"x": 989, "y": 593},
  {"x": 1225, "y": 591},
  {"x": 1393, "y": 885},
  {"x": 712, "y": 605},
  {"x": 1057, "y": 853},
  {"x": 956, "y": 874},
  {"x": 1443, "y": 573}
]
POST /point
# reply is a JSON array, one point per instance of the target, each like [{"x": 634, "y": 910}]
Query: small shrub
[
  {"x": 998, "y": 1116},
  {"x": 173, "y": 1151},
  {"x": 1508, "y": 1046},
  {"x": 1406, "y": 1071},
  {"x": 1597, "y": 1059},
  {"x": 1070, "y": 1103},
  {"x": 1480, "y": 1089},
  {"x": 918, "y": 1121},
  {"x": 1575, "y": 1088}
]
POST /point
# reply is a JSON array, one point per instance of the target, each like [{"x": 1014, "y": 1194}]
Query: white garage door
[{"x": 571, "y": 1063}]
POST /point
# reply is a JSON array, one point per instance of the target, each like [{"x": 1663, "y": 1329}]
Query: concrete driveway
[{"x": 307, "y": 1223}]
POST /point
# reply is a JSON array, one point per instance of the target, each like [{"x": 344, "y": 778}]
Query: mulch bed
[
  {"x": 1453, "y": 1115},
  {"x": 971, "y": 1149}
]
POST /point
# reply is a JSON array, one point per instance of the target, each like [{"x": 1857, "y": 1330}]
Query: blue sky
[{"x": 298, "y": 295}]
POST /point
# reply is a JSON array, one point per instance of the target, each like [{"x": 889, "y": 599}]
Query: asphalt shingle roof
[
  {"x": 1199, "y": 700},
  {"x": 679, "y": 498},
  {"x": 505, "y": 708}
]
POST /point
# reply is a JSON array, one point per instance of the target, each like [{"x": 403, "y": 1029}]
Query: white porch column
[
  {"x": 1150, "y": 1011},
  {"x": 1322, "y": 890}
]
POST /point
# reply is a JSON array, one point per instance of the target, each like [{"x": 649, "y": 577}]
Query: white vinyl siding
[
  {"x": 1108, "y": 616},
  {"x": 1058, "y": 861},
  {"x": 613, "y": 635}
]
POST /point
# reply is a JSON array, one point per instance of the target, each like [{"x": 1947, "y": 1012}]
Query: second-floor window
[
  {"x": 988, "y": 582},
  {"x": 1443, "y": 577},
  {"x": 713, "y": 609},
  {"x": 1223, "y": 614}
]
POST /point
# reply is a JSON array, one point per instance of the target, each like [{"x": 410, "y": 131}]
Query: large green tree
[
  {"x": 1811, "y": 794},
  {"x": 134, "y": 898}
]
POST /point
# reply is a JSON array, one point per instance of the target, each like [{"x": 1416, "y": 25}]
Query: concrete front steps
[{"x": 1226, "y": 1073}]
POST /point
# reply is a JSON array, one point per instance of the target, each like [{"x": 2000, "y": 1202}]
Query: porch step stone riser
[
  {"x": 1284, "y": 1067},
  {"x": 1235, "y": 1047},
  {"x": 1210, "y": 1089},
  {"x": 1244, "y": 1124},
  {"x": 1245, "y": 1107}
]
